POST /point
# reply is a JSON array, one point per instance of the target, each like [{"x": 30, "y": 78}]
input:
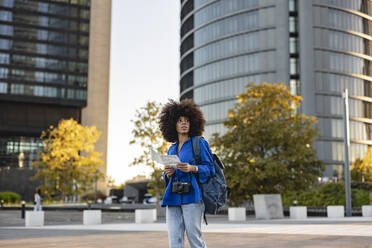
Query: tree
[
  {"x": 268, "y": 146},
  {"x": 147, "y": 134},
  {"x": 68, "y": 163},
  {"x": 361, "y": 170}
]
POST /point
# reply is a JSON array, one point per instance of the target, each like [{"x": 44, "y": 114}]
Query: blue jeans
[
  {"x": 38, "y": 207},
  {"x": 187, "y": 218}
]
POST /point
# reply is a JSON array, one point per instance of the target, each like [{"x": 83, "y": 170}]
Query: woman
[
  {"x": 37, "y": 200},
  {"x": 179, "y": 122}
]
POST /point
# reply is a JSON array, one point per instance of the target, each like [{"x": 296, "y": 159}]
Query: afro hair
[{"x": 173, "y": 110}]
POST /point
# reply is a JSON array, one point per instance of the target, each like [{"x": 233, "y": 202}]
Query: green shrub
[
  {"x": 360, "y": 197},
  {"x": 325, "y": 195},
  {"x": 10, "y": 197},
  {"x": 330, "y": 194}
]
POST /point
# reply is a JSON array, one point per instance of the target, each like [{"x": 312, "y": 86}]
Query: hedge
[
  {"x": 326, "y": 195},
  {"x": 10, "y": 197}
]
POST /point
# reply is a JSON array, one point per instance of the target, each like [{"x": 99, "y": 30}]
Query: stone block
[
  {"x": 145, "y": 215},
  {"x": 268, "y": 206},
  {"x": 367, "y": 211},
  {"x": 335, "y": 211},
  {"x": 92, "y": 217},
  {"x": 298, "y": 212},
  {"x": 237, "y": 214},
  {"x": 34, "y": 218}
]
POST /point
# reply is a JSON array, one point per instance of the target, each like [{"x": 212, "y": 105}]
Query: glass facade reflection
[
  {"x": 19, "y": 151},
  {"x": 44, "y": 48},
  {"x": 347, "y": 21},
  {"x": 43, "y": 72},
  {"x": 233, "y": 67},
  {"x": 342, "y": 50},
  {"x": 233, "y": 46},
  {"x": 228, "y": 88},
  {"x": 218, "y": 9},
  {"x": 228, "y": 47},
  {"x": 226, "y": 44}
]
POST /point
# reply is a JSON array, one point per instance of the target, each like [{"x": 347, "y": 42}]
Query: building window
[
  {"x": 228, "y": 26},
  {"x": 292, "y": 5},
  {"x": 19, "y": 151},
  {"x": 294, "y": 87},
  {"x": 293, "y": 45},
  {"x": 293, "y": 24},
  {"x": 293, "y": 66},
  {"x": 3, "y": 72},
  {"x": 3, "y": 87},
  {"x": 17, "y": 89}
]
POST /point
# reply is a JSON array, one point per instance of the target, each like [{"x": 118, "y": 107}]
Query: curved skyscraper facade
[
  {"x": 221, "y": 51},
  {"x": 339, "y": 46},
  {"x": 317, "y": 48}
]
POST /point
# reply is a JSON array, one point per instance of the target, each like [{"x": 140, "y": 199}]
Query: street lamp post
[
  {"x": 95, "y": 189},
  {"x": 347, "y": 147}
]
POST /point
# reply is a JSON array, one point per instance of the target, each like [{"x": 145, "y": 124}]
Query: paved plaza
[{"x": 64, "y": 229}]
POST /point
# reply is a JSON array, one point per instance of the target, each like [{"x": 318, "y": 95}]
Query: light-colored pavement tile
[{"x": 308, "y": 229}]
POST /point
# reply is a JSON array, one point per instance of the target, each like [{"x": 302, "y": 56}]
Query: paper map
[{"x": 167, "y": 160}]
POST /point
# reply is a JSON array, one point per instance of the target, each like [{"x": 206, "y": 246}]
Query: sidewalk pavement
[
  {"x": 351, "y": 232},
  {"x": 350, "y": 226}
]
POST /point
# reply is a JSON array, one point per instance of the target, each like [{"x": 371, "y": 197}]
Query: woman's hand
[
  {"x": 169, "y": 171},
  {"x": 185, "y": 167}
]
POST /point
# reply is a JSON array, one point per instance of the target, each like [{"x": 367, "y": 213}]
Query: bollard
[{"x": 23, "y": 209}]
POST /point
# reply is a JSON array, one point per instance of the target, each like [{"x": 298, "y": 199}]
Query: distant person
[
  {"x": 179, "y": 123},
  {"x": 38, "y": 199}
]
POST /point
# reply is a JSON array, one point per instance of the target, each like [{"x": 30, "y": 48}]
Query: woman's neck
[{"x": 182, "y": 138}]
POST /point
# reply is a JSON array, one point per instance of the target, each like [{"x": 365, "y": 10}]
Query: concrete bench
[
  {"x": 92, "y": 217},
  {"x": 367, "y": 211},
  {"x": 268, "y": 206},
  {"x": 298, "y": 212},
  {"x": 145, "y": 215},
  {"x": 236, "y": 214},
  {"x": 34, "y": 218},
  {"x": 335, "y": 211}
]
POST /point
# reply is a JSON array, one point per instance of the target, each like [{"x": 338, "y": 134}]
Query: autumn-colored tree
[
  {"x": 147, "y": 134},
  {"x": 267, "y": 147},
  {"x": 68, "y": 163},
  {"x": 361, "y": 170}
]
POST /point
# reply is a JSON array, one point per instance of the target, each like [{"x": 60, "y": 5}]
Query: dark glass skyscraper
[
  {"x": 44, "y": 47},
  {"x": 317, "y": 48}
]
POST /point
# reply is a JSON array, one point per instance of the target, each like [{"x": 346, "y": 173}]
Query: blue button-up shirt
[{"x": 205, "y": 170}]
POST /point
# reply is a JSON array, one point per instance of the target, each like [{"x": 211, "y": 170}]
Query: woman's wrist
[{"x": 195, "y": 169}]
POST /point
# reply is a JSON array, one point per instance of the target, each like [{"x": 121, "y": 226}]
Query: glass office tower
[
  {"x": 335, "y": 42},
  {"x": 43, "y": 62},
  {"x": 317, "y": 48},
  {"x": 221, "y": 52},
  {"x": 43, "y": 75}
]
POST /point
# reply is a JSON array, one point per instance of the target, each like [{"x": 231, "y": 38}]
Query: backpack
[{"x": 214, "y": 191}]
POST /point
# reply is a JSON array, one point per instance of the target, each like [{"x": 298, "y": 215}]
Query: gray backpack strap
[
  {"x": 196, "y": 153},
  {"x": 196, "y": 148}
]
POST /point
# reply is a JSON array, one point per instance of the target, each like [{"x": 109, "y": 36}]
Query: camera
[{"x": 181, "y": 187}]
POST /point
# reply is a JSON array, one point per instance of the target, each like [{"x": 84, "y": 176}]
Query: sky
[{"x": 144, "y": 66}]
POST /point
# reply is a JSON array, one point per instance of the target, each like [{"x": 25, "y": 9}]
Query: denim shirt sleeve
[
  {"x": 165, "y": 179},
  {"x": 206, "y": 168}
]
